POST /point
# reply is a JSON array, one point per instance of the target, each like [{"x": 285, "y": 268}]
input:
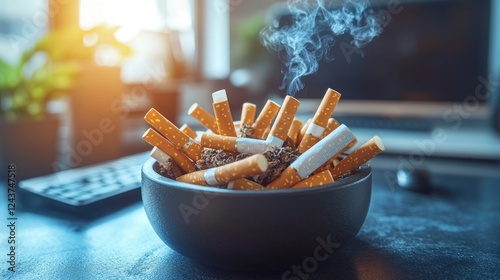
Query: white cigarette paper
[
  {"x": 161, "y": 157},
  {"x": 322, "y": 151},
  {"x": 313, "y": 158}
]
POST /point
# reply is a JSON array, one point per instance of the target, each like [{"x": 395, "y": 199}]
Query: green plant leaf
[
  {"x": 34, "y": 109},
  {"x": 10, "y": 76},
  {"x": 38, "y": 93},
  {"x": 19, "y": 99},
  {"x": 65, "y": 51}
]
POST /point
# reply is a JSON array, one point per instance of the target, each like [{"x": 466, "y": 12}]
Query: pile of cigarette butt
[{"x": 274, "y": 150}]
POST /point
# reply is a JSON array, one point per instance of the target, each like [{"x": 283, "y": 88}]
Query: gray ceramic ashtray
[{"x": 248, "y": 230}]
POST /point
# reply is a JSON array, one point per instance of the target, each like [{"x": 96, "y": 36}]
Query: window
[{"x": 160, "y": 32}]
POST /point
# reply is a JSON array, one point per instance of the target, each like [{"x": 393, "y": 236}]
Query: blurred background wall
[{"x": 77, "y": 76}]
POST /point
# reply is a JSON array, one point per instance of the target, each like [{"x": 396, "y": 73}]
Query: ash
[
  {"x": 214, "y": 158},
  {"x": 170, "y": 170},
  {"x": 279, "y": 159},
  {"x": 246, "y": 131}
]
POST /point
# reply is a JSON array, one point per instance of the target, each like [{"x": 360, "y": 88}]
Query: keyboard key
[{"x": 80, "y": 188}]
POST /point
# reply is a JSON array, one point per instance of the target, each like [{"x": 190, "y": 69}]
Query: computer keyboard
[{"x": 89, "y": 190}]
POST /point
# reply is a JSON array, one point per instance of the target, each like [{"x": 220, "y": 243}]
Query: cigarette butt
[
  {"x": 326, "y": 107},
  {"x": 244, "y": 184},
  {"x": 233, "y": 144},
  {"x": 309, "y": 140},
  {"x": 196, "y": 178},
  {"x": 248, "y": 113},
  {"x": 266, "y": 132},
  {"x": 222, "y": 113},
  {"x": 174, "y": 134},
  {"x": 204, "y": 117},
  {"x": 331, "y": 126},
  {"x": 352, "y": 145},
  {"x": 360, "y": 156},
  {"x": 287, "y": 178},
  {"x": 320, "y": 179},
  {"x": 237, "y": 126},
  {"x": 279, "y": 130},
  {"x": 331, "y": 162},
  {"x": 189, "y": 131},
  {"x": 155, "y": 139},
  {"x": 320, "y": 120},
  {"x": 303, "y": 130},
  {"x": 219, "y": 142},
  {"x": 314, "y": 157},
  {"x": 294, "y": 131},
  {"x": 192, "y": 149},
  {"x": 265, "y": 118},
  {"x": 161, "y": 157},
  {"x": 244, "y": 168}
]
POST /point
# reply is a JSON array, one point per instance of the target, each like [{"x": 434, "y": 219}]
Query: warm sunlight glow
[
  {"x": 135, "y": 14},
  {"x": 178, "y": 14}
]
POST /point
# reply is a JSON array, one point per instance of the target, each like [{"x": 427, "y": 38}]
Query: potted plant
[{"x": 45, "y": 72}]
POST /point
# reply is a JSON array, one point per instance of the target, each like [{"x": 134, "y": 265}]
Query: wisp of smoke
[{"x": 311, "y": 34}]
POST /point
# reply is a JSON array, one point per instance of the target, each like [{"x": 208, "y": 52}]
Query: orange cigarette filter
[
  {"x": 266, "y": 132},
  {"x": 294, "y": 131},
  {"x": 357, "y": 158},
  {"x": 287, "y": 178},
  {"x": 189, "y": 131},
  {"x": 303, "y": 130},
  {"x": 265, "y": 118},
  {"x": 219, "y": 142},
  {"x": 204, "y": 117},
  {"x": 320, "y": 179},
  {"x": 279, "y": 131},
  {"x": 155, "y": 139},
  {"x": 223, "y": 116},
  {"x": 248, "y": 113},
  {"x": 320, "y": 120},
  {"x": 224, "y": 174},
  {"x": 174, "y": 134},
  {"x": 244, "y": 185},
  {"x": 331, "y": 126}
]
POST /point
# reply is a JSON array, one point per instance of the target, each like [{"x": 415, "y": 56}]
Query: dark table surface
[{"x": 452, "y": 232}]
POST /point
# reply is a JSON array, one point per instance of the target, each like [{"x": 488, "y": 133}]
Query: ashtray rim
[{"x": 148, "y": 169}]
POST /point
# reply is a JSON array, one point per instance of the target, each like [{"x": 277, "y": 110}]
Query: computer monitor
[{"x": 430, "y": 55}]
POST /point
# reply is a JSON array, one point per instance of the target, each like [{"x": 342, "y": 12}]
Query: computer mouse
[{"x": 417, "y": 179}]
